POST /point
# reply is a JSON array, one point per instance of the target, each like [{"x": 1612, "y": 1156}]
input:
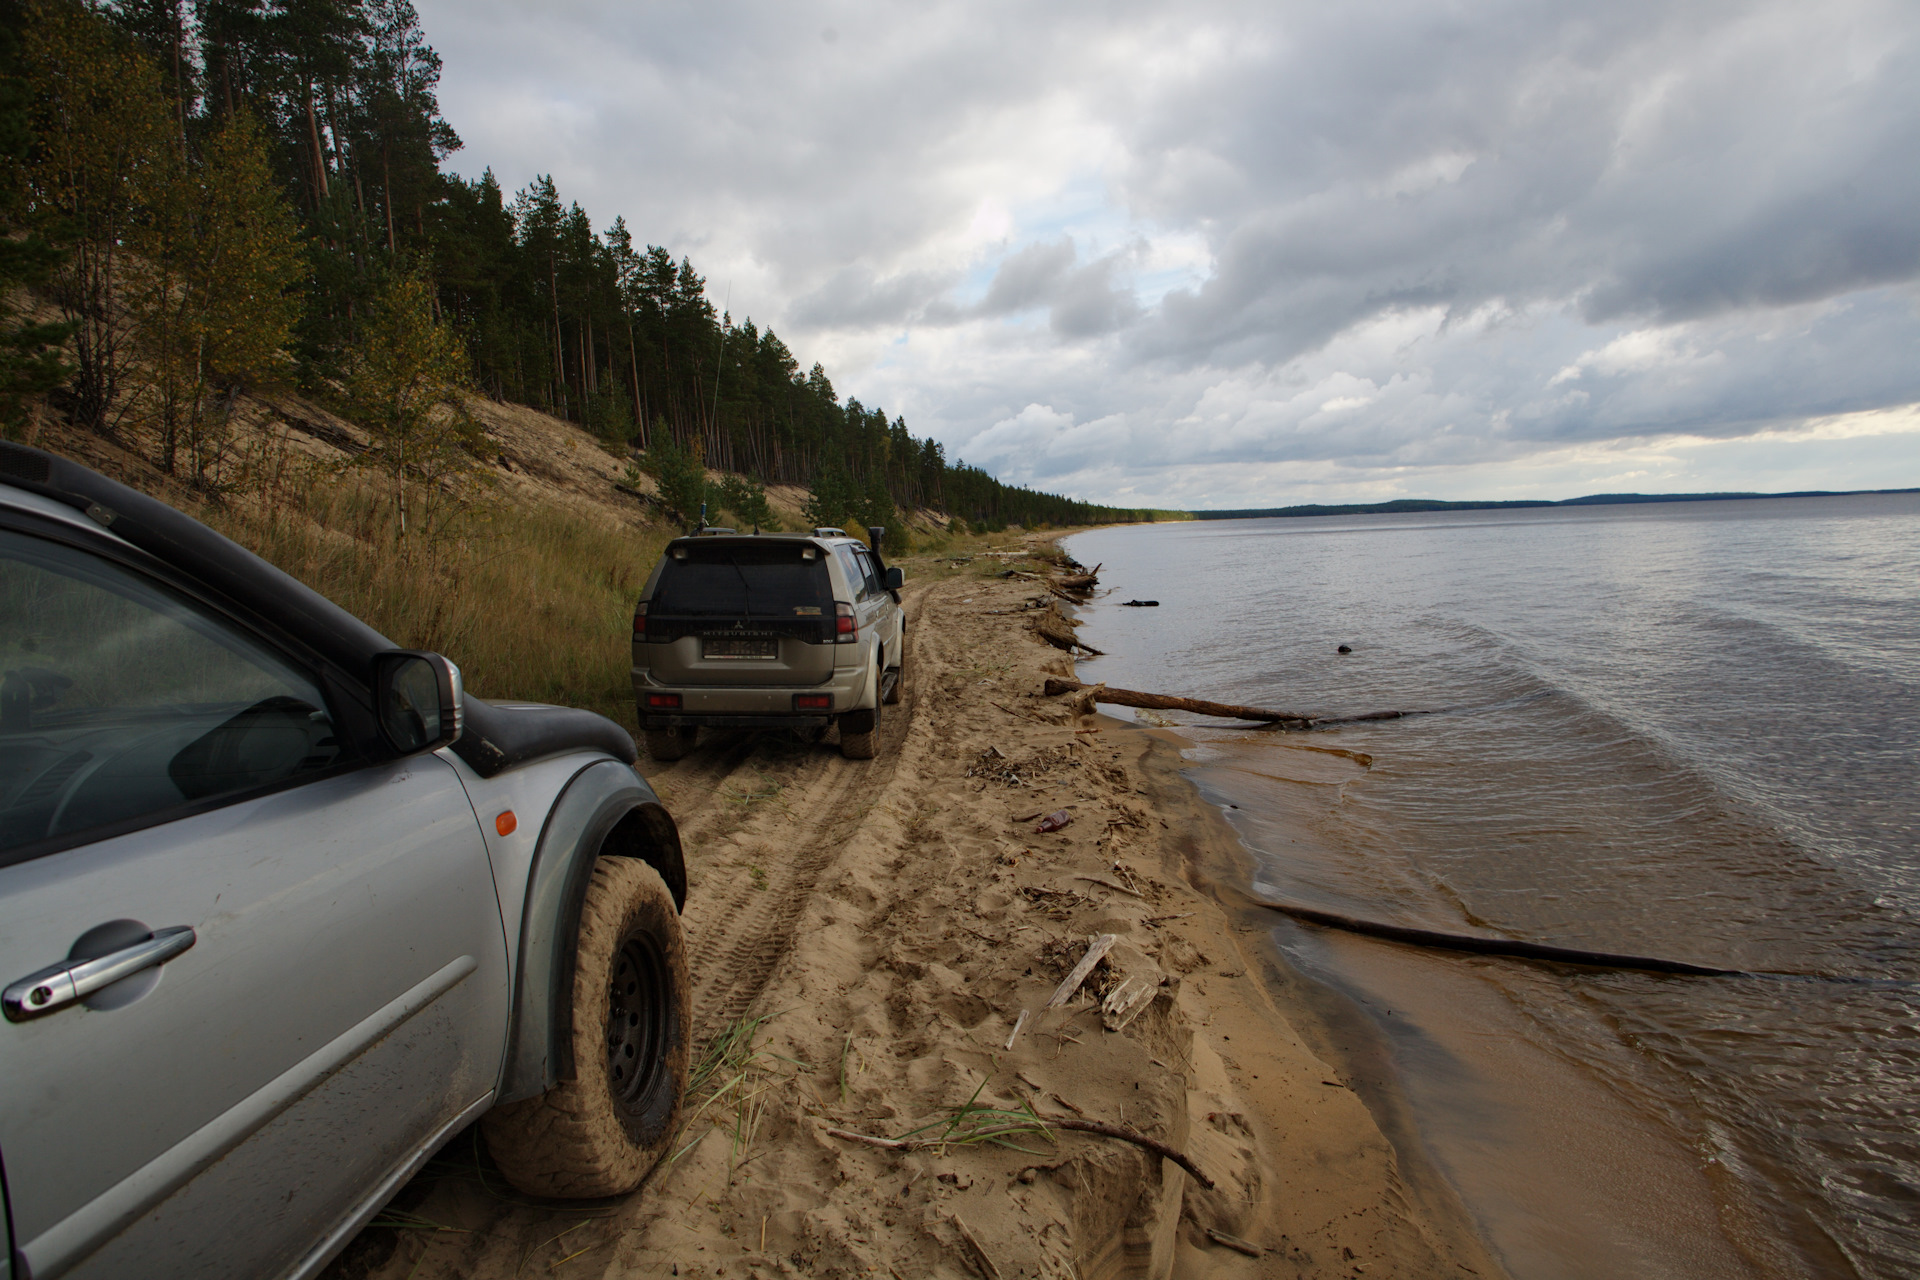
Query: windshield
[{"x": 745, "y": 580}]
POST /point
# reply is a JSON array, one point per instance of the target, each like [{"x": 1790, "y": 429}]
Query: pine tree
[
  {"x": 102, "y": 135},
  {"x": 746, "y": 498},
  {"x": 681, "y": 477},
  {"x": 30, "y": 357},
  {"x": 221, "y": 255},
  {"x": 248, "y": 258},
  {"x": 835, "y": 502},
  {"x": 876, "y": 510}
]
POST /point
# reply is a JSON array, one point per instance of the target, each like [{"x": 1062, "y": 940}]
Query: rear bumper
[
  {"x": 751, "y": 706},
  {"x": 721, "y": 720}
]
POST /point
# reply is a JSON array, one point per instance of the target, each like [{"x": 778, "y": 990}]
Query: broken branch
[
  {"x": 1110, "y": 883},
  {"x": 1235, "y": 1243},
  {"x": 1071, "y": 983},
  {"x": 1140, "y": 1140}
]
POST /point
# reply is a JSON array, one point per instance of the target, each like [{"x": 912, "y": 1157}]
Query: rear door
[
  {"x": 729, "y": 611},
  {"x": 344, "y": 996}
]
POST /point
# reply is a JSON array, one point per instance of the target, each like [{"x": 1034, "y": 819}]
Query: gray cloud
[
  {"x": 1170, "y": 238},
  {"x": 1081, "y": 299},
  {"x": 854, "y": 297},
  {"x": 1028, "y": 277}
]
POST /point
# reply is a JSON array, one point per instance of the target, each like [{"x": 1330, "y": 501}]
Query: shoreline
[
  {"x": 1577, "y": 1147},
  {"x": 867, "y": 937}
]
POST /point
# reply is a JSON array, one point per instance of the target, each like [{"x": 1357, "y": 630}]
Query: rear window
[{"x": 745, "y": 580}]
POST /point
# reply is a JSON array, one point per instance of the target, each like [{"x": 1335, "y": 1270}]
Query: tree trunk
[
  {"x": 633, "y": 369},
  {"x": 179, "y": 85},
  {"x": 386, "y": 176},
  {"x": 559, "y": 336},
  {"x": 319, "y": 156}
]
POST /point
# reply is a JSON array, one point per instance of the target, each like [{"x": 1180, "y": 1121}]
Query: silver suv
[
  {"x": 282, "y": 909},
  {"x": 770, "y": 630}
]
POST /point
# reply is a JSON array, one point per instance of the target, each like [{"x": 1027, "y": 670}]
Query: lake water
[{"x": 1682, "y": 730}]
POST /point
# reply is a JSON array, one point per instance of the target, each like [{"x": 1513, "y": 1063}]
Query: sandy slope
[{"x": 889, "y": 920}]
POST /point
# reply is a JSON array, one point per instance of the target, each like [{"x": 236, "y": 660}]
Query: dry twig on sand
[
  {"x": 970, "y": 1125},
  {"x": 1235, "y": 1243}
]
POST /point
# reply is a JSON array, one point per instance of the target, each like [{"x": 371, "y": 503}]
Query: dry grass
[
  {"x": 731, "y": 1085},
  {"x": 533, "y": 604}
]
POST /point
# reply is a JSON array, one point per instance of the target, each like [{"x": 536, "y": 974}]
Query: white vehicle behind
[{"x": 794, "y": 631}]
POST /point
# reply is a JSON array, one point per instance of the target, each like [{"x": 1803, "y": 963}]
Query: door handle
[{"x": 55, "y": 988}]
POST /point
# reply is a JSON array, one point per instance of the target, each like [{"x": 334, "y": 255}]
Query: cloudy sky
[{"x": 1222, "y": 254}]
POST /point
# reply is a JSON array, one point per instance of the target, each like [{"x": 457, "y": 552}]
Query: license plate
[{"x": 740, "y": 650}]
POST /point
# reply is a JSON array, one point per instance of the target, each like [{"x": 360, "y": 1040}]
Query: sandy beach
[{"x": 864, "y": 939}]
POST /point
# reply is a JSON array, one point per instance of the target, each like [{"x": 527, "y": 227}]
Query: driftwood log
[
  {"x": 1045, "y": 582},
  {"x": 1492, "y": 946},
  {"x": 1081, "y": 581},
  {"x": 1224, "y": 710},
  {"x": 1058, "y": 632},
  {"x": 1160, "y": 702}
]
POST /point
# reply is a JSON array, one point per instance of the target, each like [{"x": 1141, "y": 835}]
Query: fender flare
[{"x": 605, "y": 810}]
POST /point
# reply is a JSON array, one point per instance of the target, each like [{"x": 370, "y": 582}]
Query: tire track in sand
[{"x": 740, "y": 924}]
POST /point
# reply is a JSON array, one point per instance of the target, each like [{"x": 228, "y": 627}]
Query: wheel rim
[{"x": 639, "y": 1021}]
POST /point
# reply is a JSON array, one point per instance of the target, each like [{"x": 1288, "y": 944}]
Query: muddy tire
[
  {"x": 860, "y": 734},
  {"x": 600, "y": 1133},
  {"x": 668, "y": 745}
]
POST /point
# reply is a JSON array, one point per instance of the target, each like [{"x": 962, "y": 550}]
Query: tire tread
[{"x": 569, "y": 1142}]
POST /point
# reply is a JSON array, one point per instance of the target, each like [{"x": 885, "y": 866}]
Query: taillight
[
  {"x": 640, "y": 621},
  {"x": 846, "y": 629},
  {"x": 813, "y": 702},
  {"x": 663, "y": 702}
]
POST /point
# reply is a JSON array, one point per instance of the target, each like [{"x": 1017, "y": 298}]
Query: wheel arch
[{"x": 606, "y": 810}]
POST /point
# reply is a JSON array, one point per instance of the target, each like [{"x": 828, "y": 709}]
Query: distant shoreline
[{"x": 1402, "y": 505}]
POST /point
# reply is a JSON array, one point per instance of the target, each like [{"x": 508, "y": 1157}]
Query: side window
[
  {"x": 857, "y": 577},
  {"x": 119, "y": 700},
  {"x": 870, "y": 569}
]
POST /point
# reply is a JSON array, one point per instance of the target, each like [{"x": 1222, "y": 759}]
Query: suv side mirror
[
  {"x": 418, "y": 699},
  {"x": 895, "y": 579}
]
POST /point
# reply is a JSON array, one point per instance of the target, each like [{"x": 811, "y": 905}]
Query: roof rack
[
  {"x": 827, "y": 531},
  {"x": 708, "y": 531}
]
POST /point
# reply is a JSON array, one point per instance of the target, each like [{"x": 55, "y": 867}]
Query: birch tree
[{"x": 407, "y": 386}]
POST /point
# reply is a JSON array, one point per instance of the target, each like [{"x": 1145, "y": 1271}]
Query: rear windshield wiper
[{"x": 746, "y": 588}]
